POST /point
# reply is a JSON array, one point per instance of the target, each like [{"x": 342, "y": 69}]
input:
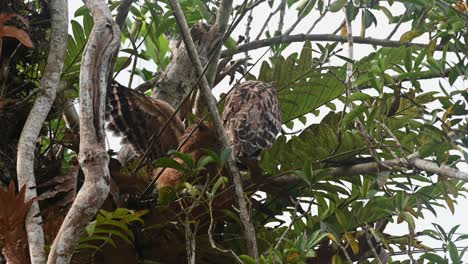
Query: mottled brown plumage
[
  {"x": 251, "y": 118},
  {"x": 203, "y": 137},
  {"x": 138, "y": 119}
]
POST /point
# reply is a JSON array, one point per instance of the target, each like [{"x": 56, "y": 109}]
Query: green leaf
[
  {"x": 230, "y": 43},
  {"x": 410, "y": 35},
  {"x": 186, "y": 158},
  {"x": 300, "y": 89},
  {"x": 428, "y": 149},
  {"x": 101, "y": 239},
  {"x": 353, "y": 114},
  {"x": 81, "y": 11},
  {"x": 78, "y": 33},
  {"x": 359, "y": 96},
  {"x": 409, "y": 219},
  {"x": 453, "y": 251},
  {"x": 221, "y": 181},
  {"x": 408, "y": 60},
  {"x": 434, "y": 258},
  {"x": 337, "y": 5},
  {"x": 169, "y": 163},
  {"x": 369, "y": 18},
  {"x": 205, "y": 160},
  {"x": 247, "y": 260}
]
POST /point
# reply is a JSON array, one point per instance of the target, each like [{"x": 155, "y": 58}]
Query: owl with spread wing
[
  {"x": 251, "y": 118},
  {"x": 139, "y": 119}
]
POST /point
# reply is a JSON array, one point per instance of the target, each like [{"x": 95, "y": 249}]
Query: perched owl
[
  {"x": 138, "y": 119},
  {"x": 251, "y": 118}
]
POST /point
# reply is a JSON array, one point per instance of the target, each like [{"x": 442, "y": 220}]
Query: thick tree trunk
[{"x": 95, "y": 68}]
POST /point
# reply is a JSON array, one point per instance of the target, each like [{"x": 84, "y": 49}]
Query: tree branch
[
  {"x": 224, "y": 12},
  {"x": 410, "y": 162},
  {"x": 122, "y": 12},
  {"x": 33, "y": 125},
  {"x": 149, "y": 83},
  {"x": 318, "y": 37},
  {"x": 222, "y": 20},
  {"x": 212, "y": 107},
  {"x": 95, "y": 68}
]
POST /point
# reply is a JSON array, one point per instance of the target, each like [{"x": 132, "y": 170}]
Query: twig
[
  {"x": 345, "y": 253},
  {"x": 265, "y": 24},
  {"x": 222, "y": 19},
  {"x": 318, "y": 20},
  {"x": 342, "y": 24},
  {"x": 135, "y": 50},
  {"x": 371, "y": 245},
  {"x": 210, "y": 236},
  {"x": 247, "y": 36},
  {"x": 190, "y": 241},
  {"x": 281, "y": 18},
  {"x": 32, "y": 128},
  {"x": 206, "y": 91},
  {"x": 301, "y": 16},
  {"x": 410, "y": 243},
  {"x": 320, "y": 37},
  {"x": 400, "y": 21},
  {"x": 293, "y": 220},
  {"x": 122, "y": 12},
  {"x": 31, "y": 95},
  {"x": 149, "y": 84}
]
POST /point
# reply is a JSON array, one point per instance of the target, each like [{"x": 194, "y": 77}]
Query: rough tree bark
[
  {"x": 249, "y": 229},
  {"x": 95, "y": 68},
  {"x": 29, "y": 135}
]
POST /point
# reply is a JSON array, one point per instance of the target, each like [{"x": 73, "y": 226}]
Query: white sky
[{"x": 327, "y": 26}]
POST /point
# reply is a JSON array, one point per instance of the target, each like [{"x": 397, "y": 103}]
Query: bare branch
[
  {"x": 410, "y": 162},
  {"x": 282, "y": 8},
  {"x": 301, "y": 16},
  {"x": 224, "y": 12},
  {"x": 33, "y": 125},
  {"x": 95, "y": 68},
  {"x": 222, "y": 20},
  {"x": 318, "y": 37},
  {"x": 149, "y": 84},
  {"x": 122, "y": 12},
  {"x": 212, "y": 107},
  {"x": 267, "y": 20}
]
